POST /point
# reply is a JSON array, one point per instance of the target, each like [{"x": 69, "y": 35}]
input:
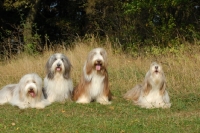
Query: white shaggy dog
[
  {"x": 152, "y": 93},
  {"x": 58, "y": 85},
  {"x": 27, "y": 93},
  {"x": 94, "y": 81}
]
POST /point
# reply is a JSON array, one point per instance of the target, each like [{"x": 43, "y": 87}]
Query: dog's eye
[
  {"x": 62, "y": 59},
  {"x": 33, "y": 81}
]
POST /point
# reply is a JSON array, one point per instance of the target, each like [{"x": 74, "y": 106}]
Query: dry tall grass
[{"x": 182, "y": 71}]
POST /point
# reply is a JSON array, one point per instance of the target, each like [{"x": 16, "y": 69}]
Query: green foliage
[
  {"x": 147, "y": 23},
  {"x": 161, "y": 22},
  {"x": 30, "y": 48},
  {"x": 17, "y": 4},
  {"x": 133, "y": 23}
]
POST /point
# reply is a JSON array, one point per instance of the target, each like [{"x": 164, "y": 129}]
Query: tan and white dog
[
  {"x": 152, "y": 92},
  {"x": 27, "y": 93},
  {"x": 93, "y": 84}
]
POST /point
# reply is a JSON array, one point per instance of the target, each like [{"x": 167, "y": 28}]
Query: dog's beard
[
  {"x": 98, "y": 65},
  {"x": 155, "y": 71},
  {"x": 58, "y": 69},
  {"x": 31, "y": 90},
  {"x": 156, "y": 74},
  {"x": 32, "y": 93}
]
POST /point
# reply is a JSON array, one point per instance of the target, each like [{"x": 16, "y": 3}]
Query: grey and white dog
[{"x": 58, "y": 85}]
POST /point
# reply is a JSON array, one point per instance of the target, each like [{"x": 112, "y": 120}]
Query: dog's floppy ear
[
  {"x": 39, "y": 88},
  {"x": 104, "y": 55},
  {"x": 147, "y": 87},
  {"x": 88, "y": 67},
  {"x": 88, "y": 64},
  {"x": 20, "y": 87},
  {"x": 22, "y": 83},
  {"x": 50, "y": 75},
  {"x": 162, "y": 88},
  {"x": 48, "y": 65},
  {"x": 67, "y": 66}
]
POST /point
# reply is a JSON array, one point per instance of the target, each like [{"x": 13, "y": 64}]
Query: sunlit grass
[{"x": 181, "y": 70}]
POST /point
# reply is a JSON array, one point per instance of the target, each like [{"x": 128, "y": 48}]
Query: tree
[
  {"x": 29, "y": 22},
  {"x": 133, "y": 23}
]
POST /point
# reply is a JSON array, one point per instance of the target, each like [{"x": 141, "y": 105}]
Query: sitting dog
[
  {"x": 94, "y": 81},
  {"x": 58, "y": 85},
  {"x": 152, "y": 92}
]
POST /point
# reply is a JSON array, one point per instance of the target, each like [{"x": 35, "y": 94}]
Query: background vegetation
[{"x": 32, "y": 26}]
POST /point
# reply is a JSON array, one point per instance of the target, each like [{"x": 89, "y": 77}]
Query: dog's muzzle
[
  {"x": 98, "y": 65},
  {"x": 156, "y": 69},
  {"x": 31, "y": 92},
  {"x": 58, "y": 68}
]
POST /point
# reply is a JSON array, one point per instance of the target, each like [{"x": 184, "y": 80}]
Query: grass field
[{"x": 183, "y": 84}]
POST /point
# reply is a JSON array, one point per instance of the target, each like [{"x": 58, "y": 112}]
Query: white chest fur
[
  {"x": 154, "y": 96},
  {"x": 96, "y": 86},
  {"x": 58, "y": 89},
  {"x": 153, "y": 99}
]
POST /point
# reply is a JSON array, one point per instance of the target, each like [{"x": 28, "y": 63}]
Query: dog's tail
[{"x": 133, "y": 94}]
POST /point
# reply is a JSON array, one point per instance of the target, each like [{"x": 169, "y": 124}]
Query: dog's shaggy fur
[
  {"x": 94, "y": 81},
  {"x": 58, "y": 85},
  {"x": 27, "y": 93},
  {"x": 152, "y": 93}
]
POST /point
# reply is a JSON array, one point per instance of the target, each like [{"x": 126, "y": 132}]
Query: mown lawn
[
  {"x": 183, "y": 83},
  {"x": 121, "y": 116}
]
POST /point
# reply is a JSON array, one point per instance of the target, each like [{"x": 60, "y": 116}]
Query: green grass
[
  {"x": 120, "y": 116},
  {"x": 183, "y": 84}
]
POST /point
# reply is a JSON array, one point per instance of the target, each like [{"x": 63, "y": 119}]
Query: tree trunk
[{"x": 27, "y": 33}]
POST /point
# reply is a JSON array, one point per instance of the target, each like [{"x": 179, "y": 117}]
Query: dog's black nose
[
  {"x": 98, "y": 61},
  {"x": 156, "y": 67},
  {"x": 58, "y": 65}
]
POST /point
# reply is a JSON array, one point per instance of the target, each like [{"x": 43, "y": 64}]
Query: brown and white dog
[
  {"x": 152, "y": 92},
  {"x": 94, "y": 81},
  {"x": 27, "y": 93}
]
